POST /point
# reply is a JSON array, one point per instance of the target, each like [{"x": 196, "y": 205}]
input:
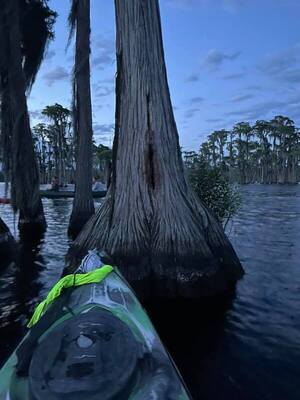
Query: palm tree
[
  {"x": 276, "y": 135},
  {"x": 262, "y": 130},
  {"x": 40, "y": 132},
  {"x": 253, "y": 161},
  {"x": 151, "y": 223},
  {"x": 205, "y": 152},
  {"x": 57, "y": 135},
  {"x": 243, "y": 131},
  {"x": 285, "y": 149},
  {"x": 212, "y": 143},
  {"x": 83, "y": 205},
  {"x": 221, "y": 138},
  {"x": 25, "y": 30},
  {"x": 231, "y": 154}
]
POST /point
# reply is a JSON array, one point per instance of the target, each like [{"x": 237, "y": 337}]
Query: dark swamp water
[{"x": 248, "y": 349}]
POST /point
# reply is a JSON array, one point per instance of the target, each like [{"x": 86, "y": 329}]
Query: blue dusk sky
[{"x": 227, "y": 61}]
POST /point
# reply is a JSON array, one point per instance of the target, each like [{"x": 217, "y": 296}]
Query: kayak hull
[
  {"x": 92, "y": 333},
  {"x": 53, "y": 194},
  {"x": 4, "y": 200}
]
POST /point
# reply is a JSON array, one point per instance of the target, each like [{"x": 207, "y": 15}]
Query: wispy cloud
[
  {"x": 191, "y": 112},
  {"x": 264, "y": 109},
  {"x": 254, "y": 87},
  {"x": 236, "y": 75},
  {"x": 259, "y": 110},
  {"x": 283, "y": 65},
  {"x": 292, "y": 76},
  {"x": 186, "y": 3},
  {"x": 50, "y": 54},
  {"x": 37, "y": 115},
  {"x": 214, "y": 120},
  {"x": 242, "y": 97},
  {"x": 100, "y": 90},
  {"x": 196, "y": 100},
  {"x": 233, "y": 6},
  {"x": 227, "y": 5},
  {"x": 103, "y": 128},
  {"x": 103, "y": 52},
  {"x": 102, "y": 60},
  {"x": 56, "y": 74},
  {"x": 215, "y": 58},
  {"x": 193, "y": 78}
]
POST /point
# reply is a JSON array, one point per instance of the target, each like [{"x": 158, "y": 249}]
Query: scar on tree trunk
[{"x": 151, "y": 224}]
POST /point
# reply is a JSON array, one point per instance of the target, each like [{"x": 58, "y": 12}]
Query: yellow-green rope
[{"x": 67, "y": 281}]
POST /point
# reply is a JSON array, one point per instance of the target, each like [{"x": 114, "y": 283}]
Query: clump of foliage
[{"x": 213, "y": 187}]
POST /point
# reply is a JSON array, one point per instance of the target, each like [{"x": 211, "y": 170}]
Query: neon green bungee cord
[{"x": 68, "y": 281}]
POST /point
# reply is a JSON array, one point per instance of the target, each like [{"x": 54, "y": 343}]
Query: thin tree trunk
[
  {"x": 107, "y": 173},
  {"x": 25, "y": 176},
  {"x": 151, "y": 223},
  {"x": 60, "y": 155},
  {"x": 83, "y": 206}
]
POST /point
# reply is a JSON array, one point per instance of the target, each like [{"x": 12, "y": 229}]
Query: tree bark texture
[
  {"x": 151, "y": 223},
  {"x": 24, "y": 170},
  {"x": 83, "y": 205}
]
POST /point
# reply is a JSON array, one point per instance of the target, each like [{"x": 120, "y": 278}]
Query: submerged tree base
[
  {"x": 7, "y": 245},
  {"x": 198, "y": 264},
  {"x": 179, "y": 276},
  {"x": 172, "y": 276},
  {"x": 32, "y": 230},
  {"x": 77, "y": 222}
]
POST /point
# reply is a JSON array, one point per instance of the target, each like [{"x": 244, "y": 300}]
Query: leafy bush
[{"x": 214, "y": 189}]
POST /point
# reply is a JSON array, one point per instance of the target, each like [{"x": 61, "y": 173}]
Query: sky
[{"x": 227, "y": 60}]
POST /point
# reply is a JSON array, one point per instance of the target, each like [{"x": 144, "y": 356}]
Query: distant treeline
[
  {"x": 55, "y": 147},
  {"x": 266, "y": 152}
]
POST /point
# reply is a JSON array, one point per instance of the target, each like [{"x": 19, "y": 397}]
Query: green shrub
[{"x": 214, "y": 189}]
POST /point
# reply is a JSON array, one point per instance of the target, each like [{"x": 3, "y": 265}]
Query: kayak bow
[{"x": 91, "y": 341}]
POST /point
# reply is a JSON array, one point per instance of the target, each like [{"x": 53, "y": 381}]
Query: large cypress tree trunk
[
  {"x": 83, "y": 206},
  {"x": 25, "y": 184},
  {"x": 151, "y": 223}
]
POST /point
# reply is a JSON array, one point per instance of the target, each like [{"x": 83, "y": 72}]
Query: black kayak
[
  {"x": 54, "y": 194},
  {"x": 92, "y": 342}
]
